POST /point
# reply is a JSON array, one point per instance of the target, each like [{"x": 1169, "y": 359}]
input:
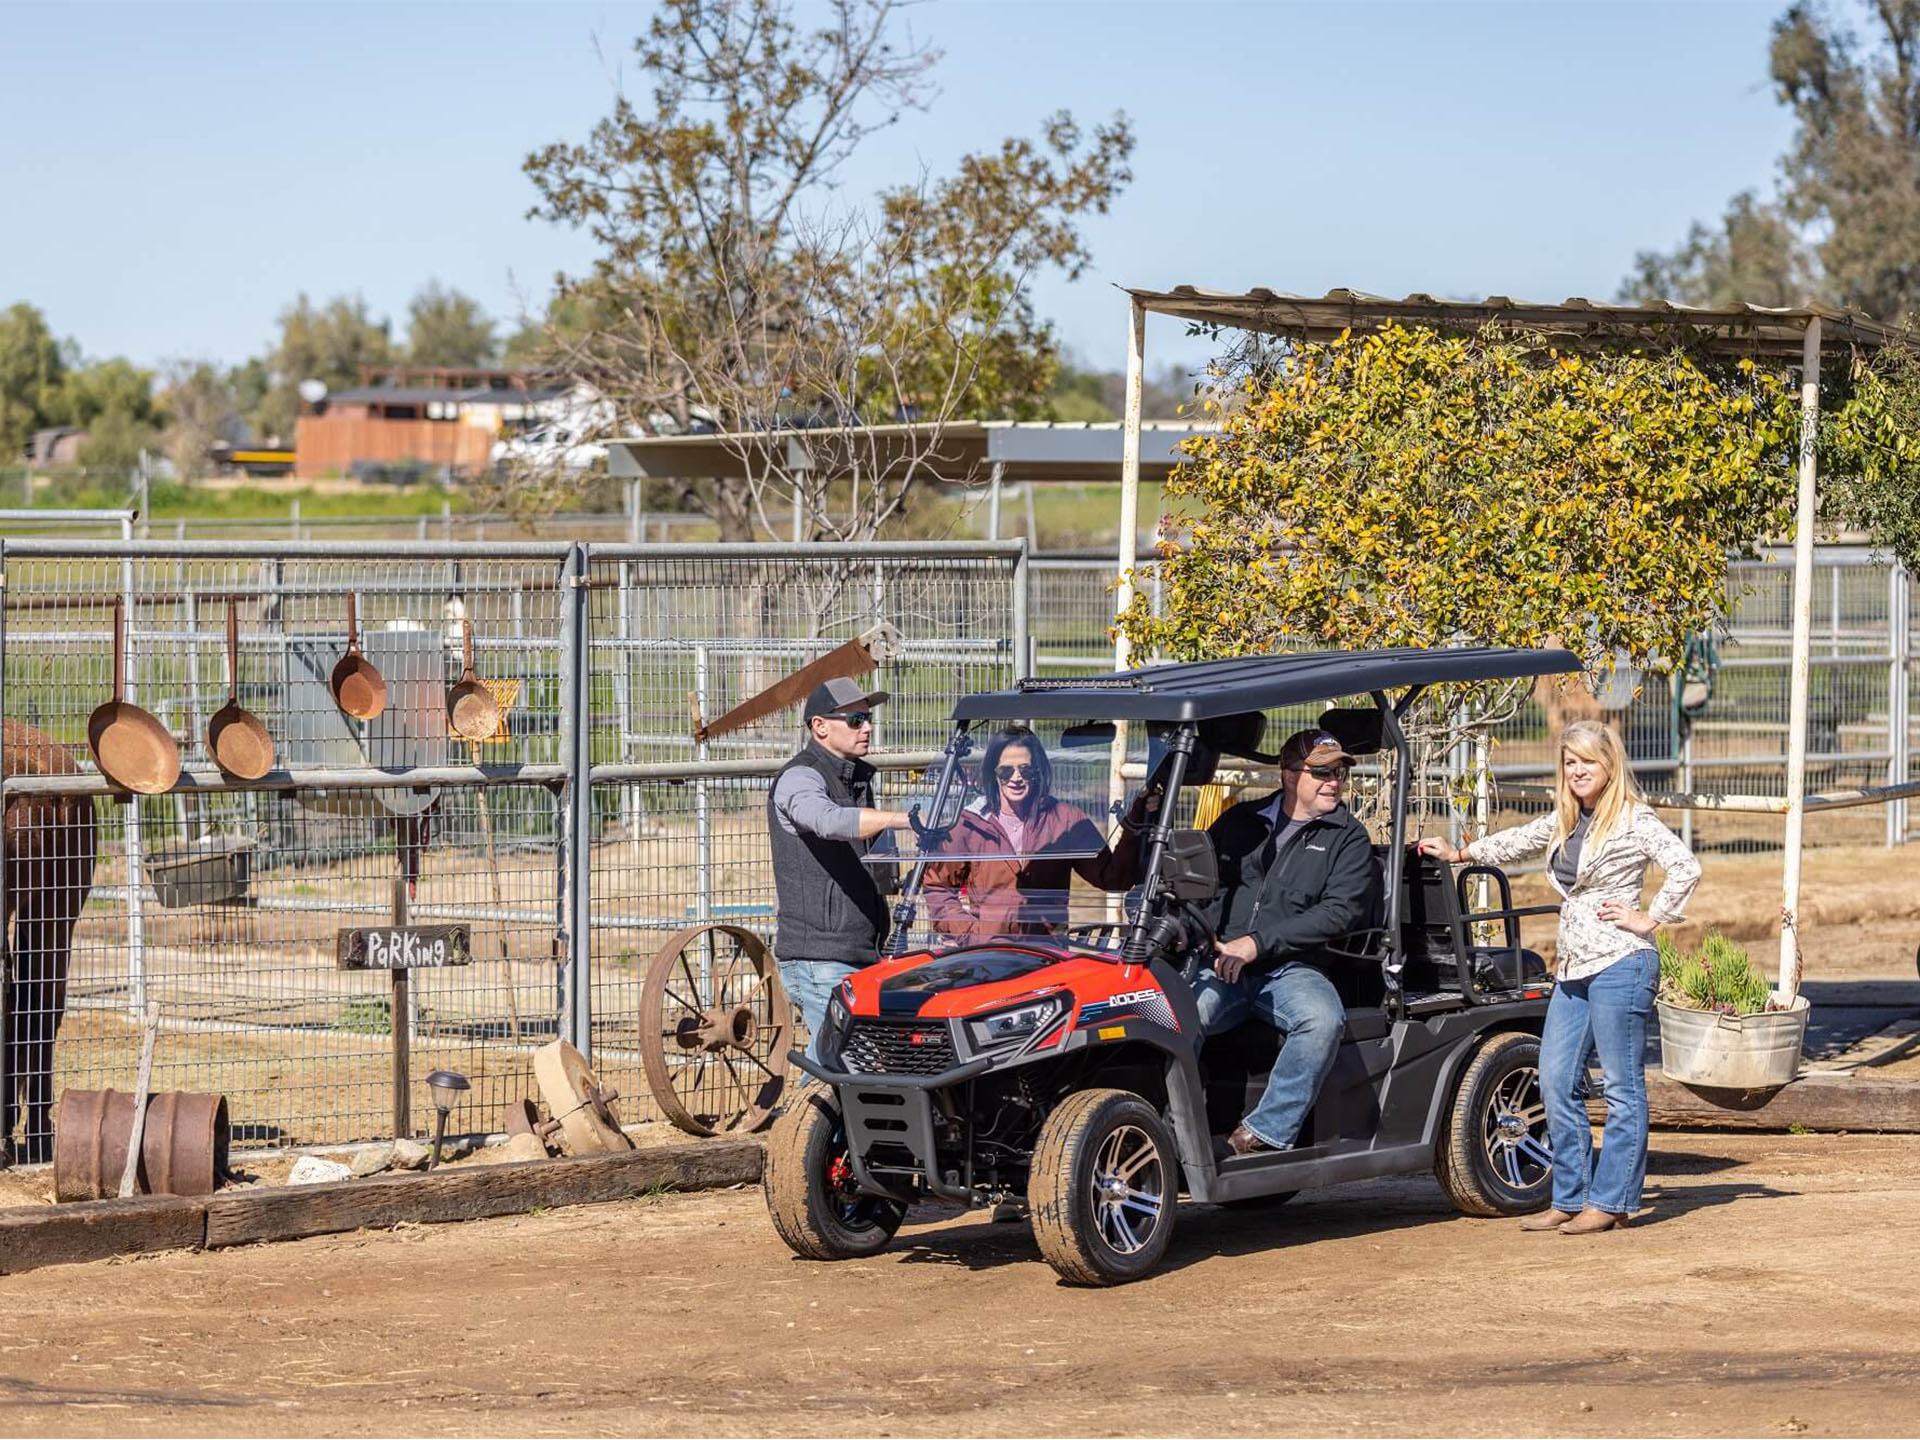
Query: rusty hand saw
[{"x": 873, "y": 646}]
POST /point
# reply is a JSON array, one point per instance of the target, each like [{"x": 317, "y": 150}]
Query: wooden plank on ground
[
  {"x": 1814, "y": 1102},
  {"x": 474, "y": 1192},
  {"x": 32, "y": 1236}
]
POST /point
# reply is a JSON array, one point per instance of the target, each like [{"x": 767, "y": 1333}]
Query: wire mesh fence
[
  {"x": 221, "y": 901},
  {"x": 1862, "y": 728},
  {"x": 588, "y": 827}
]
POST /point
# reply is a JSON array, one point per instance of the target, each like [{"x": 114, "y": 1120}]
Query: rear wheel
[
  {"x": 1494, "y": 1157},
  {"x": 812, "y": 1196},
  {"x": 1103, "y": 1188}
]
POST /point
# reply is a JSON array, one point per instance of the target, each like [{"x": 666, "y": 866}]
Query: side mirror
[{"x": 1188, "y": 867}]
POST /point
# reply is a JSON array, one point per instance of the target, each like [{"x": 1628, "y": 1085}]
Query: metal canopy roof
[
  {"x": 1029, "y": 450},
  {"x": 1729, "y": 329},
  {"x": 1207, "y": 689}
]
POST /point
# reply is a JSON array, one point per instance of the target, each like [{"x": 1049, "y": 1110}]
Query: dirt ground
[{"x": 1770, "y": 1291}]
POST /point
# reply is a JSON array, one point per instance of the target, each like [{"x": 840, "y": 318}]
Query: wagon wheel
[{"x": 714, "y": 1029}]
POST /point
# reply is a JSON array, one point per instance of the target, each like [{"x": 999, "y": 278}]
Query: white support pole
[
  {"x": 1805, "y": 507},
  {"x": 1129, "y": 526},
  {"x": 993, "y": 499},
  {"x": 1899, "y": 697},
  {"x": 1130, "y": 474}
]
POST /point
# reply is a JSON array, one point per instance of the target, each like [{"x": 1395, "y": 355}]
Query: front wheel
[
  {"x": 1103, "y": 1188},
  {"x": 1494, "y": 1157},
  {"x": 812, "y": 1197}
]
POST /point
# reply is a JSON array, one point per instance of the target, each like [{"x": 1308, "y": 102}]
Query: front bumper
[{"x": 890, "y": 1133}]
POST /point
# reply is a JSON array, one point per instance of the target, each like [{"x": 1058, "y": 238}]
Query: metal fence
[
  {"x": 1863, "y": 728},
  {"x": 587, "y": 829}
]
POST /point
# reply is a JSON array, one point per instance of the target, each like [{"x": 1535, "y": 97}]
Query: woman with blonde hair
[{"x": 1599, "y": 841}]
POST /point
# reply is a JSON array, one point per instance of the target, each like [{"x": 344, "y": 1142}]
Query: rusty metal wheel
[{"x": 714, "y": 1030}]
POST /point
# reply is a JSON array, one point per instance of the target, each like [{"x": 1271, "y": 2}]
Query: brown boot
[
  {"x": 1244, "y": 1142},
  {"x": 1546, "y": 1220},
  {"x": 1593, "y": 1222}
]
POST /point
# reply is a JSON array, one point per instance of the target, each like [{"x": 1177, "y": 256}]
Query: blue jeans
[
  {"x": 1605, "y": 1012},
  {"x": 810, "y": 984},
  {"x": 1299, "y": 1002}
]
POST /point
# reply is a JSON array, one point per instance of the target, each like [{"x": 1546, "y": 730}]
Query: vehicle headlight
[
  {"x": 833, "y": 1029},
  {"x": 1023, "y": 1022}
]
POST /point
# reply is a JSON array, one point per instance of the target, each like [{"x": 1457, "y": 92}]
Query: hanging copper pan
[
  {"x": 471, "y": 708},
  {"x": 239, "y": 743},
  {"x": 358, "y": 688},
  {"x": 132, "y": 749}
]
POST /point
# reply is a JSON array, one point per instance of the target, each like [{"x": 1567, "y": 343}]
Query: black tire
[
  {"x": 809, "y": 1190},
  {"x": 1493, "y": 1156},
  {"x": 1087, "y": 1229}
]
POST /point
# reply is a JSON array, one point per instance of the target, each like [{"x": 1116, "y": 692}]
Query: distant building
[
  {"x": 407, "y": 422},
  {"x": 56, "y": 445}
]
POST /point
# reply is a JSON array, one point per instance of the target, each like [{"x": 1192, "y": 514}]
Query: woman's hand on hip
[{"x": 1618, "y": 912}]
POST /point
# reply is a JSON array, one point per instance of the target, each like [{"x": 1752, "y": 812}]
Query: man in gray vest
[{"x": 821, "y": 822}]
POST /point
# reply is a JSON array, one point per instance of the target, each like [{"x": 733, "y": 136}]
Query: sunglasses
[
  {"x": 1025, "y": 772},
  {"x": 1328, "y": 772},
  {"x": 854, "y": 719}
]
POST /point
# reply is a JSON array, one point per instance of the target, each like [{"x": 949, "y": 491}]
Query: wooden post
[
  {"x": 143, "y": 1085},
  {"x": 402, "y": 1028},
  {"x": 1805, "y": 506}
]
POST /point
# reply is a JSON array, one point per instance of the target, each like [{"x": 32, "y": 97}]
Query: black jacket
[{"x": 1322, "y": 885}]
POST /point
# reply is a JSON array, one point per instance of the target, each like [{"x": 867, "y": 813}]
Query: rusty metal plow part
[
  {"x": 577, "y": 1100},
  {"x": 715, "y": 1025},
  {"x": 183, "y": 1148}
]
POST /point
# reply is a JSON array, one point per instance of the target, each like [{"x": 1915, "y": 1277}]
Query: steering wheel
[{"x": 1193, "y": 918}]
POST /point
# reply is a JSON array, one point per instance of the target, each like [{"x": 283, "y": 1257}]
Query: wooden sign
[{"x": 405, "y": 947}]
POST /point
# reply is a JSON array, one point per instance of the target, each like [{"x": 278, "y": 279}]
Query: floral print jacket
[{"x": 1613, "y": 870}]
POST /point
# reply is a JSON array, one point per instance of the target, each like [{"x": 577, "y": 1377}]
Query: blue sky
[{"x": 174, "y": 174}]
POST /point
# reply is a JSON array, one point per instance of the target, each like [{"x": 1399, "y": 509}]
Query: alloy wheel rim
[
  {"x": 1513, "y": 1132},
  {"x": 1129, "y": 1189}
]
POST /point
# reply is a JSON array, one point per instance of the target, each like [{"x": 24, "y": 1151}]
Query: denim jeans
[
  {"x": 1605, "y": 1012},
  {"x": 810, "y": 984},
  {"x": 1299, "y": 1002}
]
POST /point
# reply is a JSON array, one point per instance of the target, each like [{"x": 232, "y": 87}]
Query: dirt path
[{"x": 1772, "y": 1291}]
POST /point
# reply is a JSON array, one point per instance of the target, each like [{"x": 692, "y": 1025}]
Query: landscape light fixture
[{"x": 447, "y": 1087}]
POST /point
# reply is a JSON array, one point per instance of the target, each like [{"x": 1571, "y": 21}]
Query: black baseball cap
[{"x": 836, "y": 697}]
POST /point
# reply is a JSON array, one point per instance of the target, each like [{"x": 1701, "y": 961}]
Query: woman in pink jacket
[
  {"x": 1599, "y": 841},
  {"x": 1018, "y": 815}
]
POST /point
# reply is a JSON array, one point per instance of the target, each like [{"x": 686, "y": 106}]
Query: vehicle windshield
[{"x": 1027, "y": 840}]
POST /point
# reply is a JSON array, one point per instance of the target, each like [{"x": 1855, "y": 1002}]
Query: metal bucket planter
[{"x": 1708, "y": 1051}]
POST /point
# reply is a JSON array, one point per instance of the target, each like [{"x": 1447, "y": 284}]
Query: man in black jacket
[{"x": 1296, "y": 871}]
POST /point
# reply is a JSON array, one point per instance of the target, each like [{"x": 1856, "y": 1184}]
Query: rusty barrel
[{"x": 182, "y": 1152}]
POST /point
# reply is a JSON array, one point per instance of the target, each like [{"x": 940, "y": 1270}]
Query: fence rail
[{"x": 590, "y": 825}]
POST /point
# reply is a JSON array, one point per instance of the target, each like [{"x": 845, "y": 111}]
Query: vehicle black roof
[{"x": 1207, "y": 689}]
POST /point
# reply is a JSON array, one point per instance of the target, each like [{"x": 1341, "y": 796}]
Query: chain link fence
[{"x": 221, "y": 901}]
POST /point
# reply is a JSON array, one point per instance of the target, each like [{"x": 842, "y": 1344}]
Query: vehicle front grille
[{"x": 898, "y": 1047}]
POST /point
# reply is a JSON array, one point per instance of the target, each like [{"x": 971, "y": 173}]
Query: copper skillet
[
  {"x": 471, "y": 708},
  {"x": 133, "y": 749},
  {"x": 238, "y": 742},
  {"x": 358, "y": 688}
]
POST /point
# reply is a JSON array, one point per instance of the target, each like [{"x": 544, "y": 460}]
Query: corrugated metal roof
[
  {"x": 1731, "y": 329},
  {"x": 1029, "y": 449}
]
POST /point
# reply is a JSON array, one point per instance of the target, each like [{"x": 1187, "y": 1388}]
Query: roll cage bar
[{"x": 1188, "y": 694}]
